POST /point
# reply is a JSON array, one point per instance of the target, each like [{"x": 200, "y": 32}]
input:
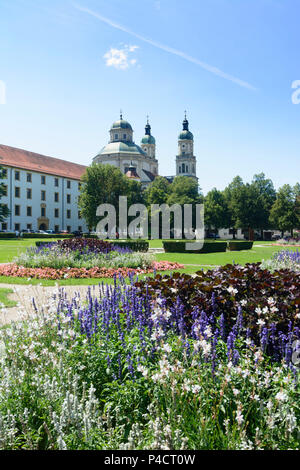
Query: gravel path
[{"x": 23, "y": 294}]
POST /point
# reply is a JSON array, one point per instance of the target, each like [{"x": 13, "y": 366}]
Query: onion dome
[
  {"x": 121, "y": 124},
  {"x": 185, "y": 134},
  {"x": 148, "y": 138}
]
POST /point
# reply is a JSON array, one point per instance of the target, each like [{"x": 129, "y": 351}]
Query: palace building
[{"x": 42, "y": 192}]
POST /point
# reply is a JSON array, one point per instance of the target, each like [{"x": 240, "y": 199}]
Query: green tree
[
  {"x": 157, "y": 192},
  {"x": 4, "y": 211},
  {"x": 104, "y": 184},
  {"x": 283, "y": 212},
  {"x": 296, "y": 190},
  {"x": 216, "y": 210},
  {"x": 266, "y": 196},
  {"x": 184, "y": 190},
  {"x": 243, "y": 203},
  {"x": 231, "y": 194}
]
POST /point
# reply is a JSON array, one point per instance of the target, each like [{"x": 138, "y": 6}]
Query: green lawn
[
  {"x": 256, "y": 254},
  {"x": 4, "y": 300},
  {"x": 193, "y": 262}
]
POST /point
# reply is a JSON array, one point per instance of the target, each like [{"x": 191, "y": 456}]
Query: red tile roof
[
  {"x": 17, "y": 158},
  {"x": 131, "y": 173}
]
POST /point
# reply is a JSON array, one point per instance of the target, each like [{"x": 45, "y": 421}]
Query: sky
[{"x": 67, "y": 67}]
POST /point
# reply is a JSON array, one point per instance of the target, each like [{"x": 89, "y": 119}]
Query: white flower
[
  {"x": 235, "y": 392},
  {"x": 196, "y": 388},
  {"x": 281, "y": 396},
  {"x": 143, "y": 370},
  {"x": 239, "y": 417},
  {"x": 260, "y": 322},
  {"x": 167, "y": 348},
  {"x": 232, "y": 290}
]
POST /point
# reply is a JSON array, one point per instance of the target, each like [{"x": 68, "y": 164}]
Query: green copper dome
[
  {"x": 185, "y": 135},
  {"x": 121, "y": 123},
  {"x": 122, "y": 147},
  {"x": 148, "y": 139}
]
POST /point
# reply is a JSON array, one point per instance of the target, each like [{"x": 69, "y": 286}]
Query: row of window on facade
[
  {"x": 29, "y": 194},
  {"x": 43, "y": 179},
  {"x": 17, "y": 212}
]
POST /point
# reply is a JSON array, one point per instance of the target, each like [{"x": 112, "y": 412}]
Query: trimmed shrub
[
  {"x": 239, "y": 245},
  {"x": 46, "y": 236},
  {"x": 7, "y": 235},
  {"x": 134, "y": 245},
  {"x": 208, "y": 247}
]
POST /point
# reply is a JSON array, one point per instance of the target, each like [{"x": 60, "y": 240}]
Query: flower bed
[
  {"x": 14, "y": 270},
  {"x": 124, "y": 369},
  {"x": 284, "y": 259},
  {"x": 83, "y": 254},
  {"x": 232, "y": 299}
]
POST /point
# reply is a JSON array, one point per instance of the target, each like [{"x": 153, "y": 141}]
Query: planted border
[
  {"x": 208, "y": 247},
  {"x": 239, "y": 245}
]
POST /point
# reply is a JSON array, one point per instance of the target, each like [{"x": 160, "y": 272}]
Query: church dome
[
  {"x": 121, "y": 124},
  {"x": 114, "y": 148},
  {"x": 148, "y": 139},
  {"x": 185, "y": 135}
]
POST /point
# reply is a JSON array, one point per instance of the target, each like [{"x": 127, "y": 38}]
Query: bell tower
[{"x": 185, "y": 160}]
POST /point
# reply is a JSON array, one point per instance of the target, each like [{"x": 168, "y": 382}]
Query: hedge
[
  {"x": 134, "y": 245},
  {"x": 8, "y": 235},
  {"x": 47, "y": 235},
  {"x": 208, "y": 247},
  {"x": 239, "y": 245}
]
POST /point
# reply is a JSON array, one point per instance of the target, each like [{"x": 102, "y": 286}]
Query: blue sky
[{"x": 70, "y": 66}]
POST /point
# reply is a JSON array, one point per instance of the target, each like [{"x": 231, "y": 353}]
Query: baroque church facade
[
  {"x": 42, "y": 192},
  {"x": 139, "y": 161}
]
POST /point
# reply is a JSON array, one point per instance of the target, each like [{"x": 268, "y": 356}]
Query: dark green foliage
[
  {"x": 208, "y": 247},
  {"x": 220, "y": 292},
  {"x": 8, "y": 235},
  {"x": 239, "y": 245}
]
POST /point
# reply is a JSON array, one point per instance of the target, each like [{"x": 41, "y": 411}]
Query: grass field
[
  {"x": 193, "y": 262},
  {"x": 4, "y": 300}
]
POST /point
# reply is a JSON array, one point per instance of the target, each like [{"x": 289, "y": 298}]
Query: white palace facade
[{"x": 42, "y": 192}]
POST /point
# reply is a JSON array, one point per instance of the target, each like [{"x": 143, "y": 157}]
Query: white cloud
[
  {"x": 210, "y": 68},
  {"x": 120, "y": 58}
]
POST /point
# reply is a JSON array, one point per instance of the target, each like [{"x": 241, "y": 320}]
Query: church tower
[
  {"x": 148, "y": 145},
  {"x": 185, "y": 160}
]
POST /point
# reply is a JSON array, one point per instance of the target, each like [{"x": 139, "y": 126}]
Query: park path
[{"x": 23, "y": 295}]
